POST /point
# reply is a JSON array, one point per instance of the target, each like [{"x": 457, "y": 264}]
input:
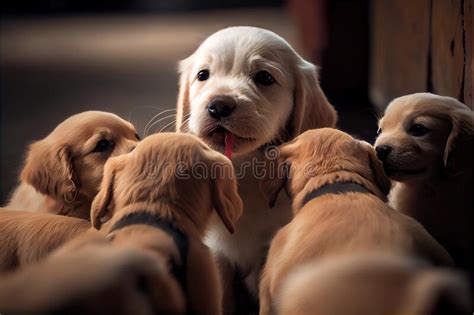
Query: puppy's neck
[
  {"x": 163, "y": 210},
  {"x": 434, "y": 186},
  {"x": 331, "y": 178},
  {"x": 78, "y": 208},
  {"x": 243, "y": 160},
  {"x": 434, "y": 180}
]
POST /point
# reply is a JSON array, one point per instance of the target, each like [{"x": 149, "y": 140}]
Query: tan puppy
[
  {"x": 242, "y": 89},
  {"x": 27, "y": 237},
  {"x": 373, "y": 284},
  {"x": 160, "y": 198},
  {"x": 338, "y": 189},
  {"x": 63, "y": 171},
  {"x": 94, "y": 279},
  {"x": 426, "y": 144}
]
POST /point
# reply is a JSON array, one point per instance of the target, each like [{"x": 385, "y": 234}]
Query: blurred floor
[{"x": 54, "y": 67}]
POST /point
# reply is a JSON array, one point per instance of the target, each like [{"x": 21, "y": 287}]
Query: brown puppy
[
  {"x": 373, "y": 284},
  {"x": 160, "y": 198},
  {"x": 338, "y": 189},
  {"x": 27, "y": 237},
  {"x": 94, "y": 279},
  {"x": 426, "y": 144},
  {"x": 63, "y": 171}
]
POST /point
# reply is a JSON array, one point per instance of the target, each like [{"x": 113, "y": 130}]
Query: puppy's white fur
[{"x": 263, "y": 114}]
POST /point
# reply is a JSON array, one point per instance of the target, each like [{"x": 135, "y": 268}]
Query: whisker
[
  {"x": 376, "y": 115},
  {"x": 186, "y": 119},
  {"x": 168, "y": 125},
  {"x": 184, "y": 123},
  {"x": 156, "y": 116},
  {"x": 156, "y": 122}
]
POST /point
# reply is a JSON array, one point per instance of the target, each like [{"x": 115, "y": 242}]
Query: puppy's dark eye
[
  {"x": 379, "y": 131},
  {"x": 203, "y": 75},
  {"x": 103, "y": 145},
  {"x": 418, "y": 130},
  {"x": 264, "y": 78}
]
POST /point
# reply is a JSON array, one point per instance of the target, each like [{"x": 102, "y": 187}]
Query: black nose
[
  {"x": 221, "y": 106},
  {"x": 383, "y": 151}
]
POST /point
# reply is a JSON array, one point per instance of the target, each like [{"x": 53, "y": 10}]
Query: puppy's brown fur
[
  {"x": 373, "y": 284},
  {"x": 334, "y": 224},
  {"x": 63, "y": 171},
  {"x": 95, "y": 278},
  {"x": 432, "y": 170},
  {"x": 169, "y": 176},
  {"x": 27, "y": 237}
]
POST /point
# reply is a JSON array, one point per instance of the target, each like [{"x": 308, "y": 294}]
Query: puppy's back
[
  {"x": 373, "y": 283},
  {"x": 27, "y": 237},
  {"x": 349, "y": 223}
]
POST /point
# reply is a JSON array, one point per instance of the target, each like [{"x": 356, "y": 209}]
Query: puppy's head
[
  {"x": 425, "y": 134},
  {"x": 251, "y": 83},
  {"x": 326, "y": 151},
  {"x": 67, "y": 165},
  {"x": 176, "y": 170}
]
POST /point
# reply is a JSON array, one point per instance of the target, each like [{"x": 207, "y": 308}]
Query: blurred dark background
[{"x": 61, "y": 57}]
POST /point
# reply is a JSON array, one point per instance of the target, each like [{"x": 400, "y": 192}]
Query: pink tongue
[{"x": 229, "y": 143}]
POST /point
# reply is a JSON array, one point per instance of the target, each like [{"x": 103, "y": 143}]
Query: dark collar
[
  {"x": 335, "y": 188},
  {"x": 179, "y": 238}
]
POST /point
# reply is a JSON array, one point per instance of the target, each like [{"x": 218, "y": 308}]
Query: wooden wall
[{"x": 421, "y": 45}]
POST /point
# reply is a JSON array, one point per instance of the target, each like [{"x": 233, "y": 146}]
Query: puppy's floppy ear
[
  {"x": 438, "y": 292},
  {"x": 102, "y": 206},
  {"x": 182, "y": 105},
  {"x": 311, "y": 108},
  {"x": 459, "y": 146},
  {"x": 381, "y": 179},
  {"x": 225, "y": 196},
  {"x": 49, "y": 169}
]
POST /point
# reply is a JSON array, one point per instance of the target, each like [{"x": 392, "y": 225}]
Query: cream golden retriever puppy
[
  {"x": 426, "y": 145},
  {"x": 338, "y": 189},
  {"x": 159, "y": 199},
  {"x": 63, "y": 171},
  {"x": 243, "y": 89},
  {"x": 373, "y": 284}
]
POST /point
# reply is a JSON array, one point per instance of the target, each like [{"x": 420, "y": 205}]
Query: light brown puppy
[
  {"x": 338, "y": 189},
  {"x": 160, "y": 198},
  {"x": 242, "y": 89},
  {"x": 27, "y": 237},
  {"x": 93, "y": 279},
  {"x": 426, "y": 144},
  {"x": 63, "y": 171},
  {"x": 373, "y": 284}
]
